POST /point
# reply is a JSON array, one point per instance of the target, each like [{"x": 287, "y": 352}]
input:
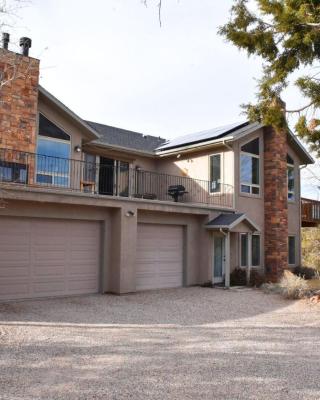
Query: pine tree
[{"x": 286, "y": 35}]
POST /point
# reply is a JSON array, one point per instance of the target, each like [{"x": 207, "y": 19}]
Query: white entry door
[{"x": 218, "y": 259}]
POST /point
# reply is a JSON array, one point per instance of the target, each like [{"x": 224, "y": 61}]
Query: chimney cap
[
  {"x": 5, "y": 40},
  {"x": 25, "y": 44}
]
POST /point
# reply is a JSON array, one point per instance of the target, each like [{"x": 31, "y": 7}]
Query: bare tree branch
[
  {"x": 298, "y": 110},
  {"x": 159, "y": 14}
]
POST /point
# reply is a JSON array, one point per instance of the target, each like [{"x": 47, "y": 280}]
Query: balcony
[
  {"x": 310, "y": 213},
  {"x": 61, "y": 174}
]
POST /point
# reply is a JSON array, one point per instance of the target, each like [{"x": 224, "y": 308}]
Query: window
[
  {"x": 243, "y": 250},
  {"x": 292, "y": 250},
  {"x": 53, "y": 152},
  {"x": 290, "y": 178},
  {"x": 13, "y": 172},
  {"x": 255, "y": 250},
  {"x": 215, "y": 173},
  {"x": 250, "y": 167},
  {"x": 89, "y": 172}
]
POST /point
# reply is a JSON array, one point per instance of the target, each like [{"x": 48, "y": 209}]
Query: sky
[{"x": 111, "y": 62}]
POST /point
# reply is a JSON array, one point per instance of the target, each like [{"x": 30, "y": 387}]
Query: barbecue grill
[{"x": 176, "y": 191}]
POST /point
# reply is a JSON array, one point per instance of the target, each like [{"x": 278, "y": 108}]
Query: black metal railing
[{"x": 45, "y": 171}]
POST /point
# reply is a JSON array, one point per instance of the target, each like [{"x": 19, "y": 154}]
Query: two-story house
[{"x": 90, "y": 208}]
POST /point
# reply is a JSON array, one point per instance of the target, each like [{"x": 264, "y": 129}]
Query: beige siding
[{"x": 43, "y": 257}]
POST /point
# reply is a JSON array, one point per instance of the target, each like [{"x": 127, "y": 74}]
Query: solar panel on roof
[{"x": 201, "y": 136}]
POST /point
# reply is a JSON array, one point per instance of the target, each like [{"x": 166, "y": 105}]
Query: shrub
[
  {"x": 238, "y": 277},
  {"x": 256, "y": 279},
  {"x": 311, "y": 247},
  {"x": 290, "y": 286},
  {"x": 305, "y": 272}
]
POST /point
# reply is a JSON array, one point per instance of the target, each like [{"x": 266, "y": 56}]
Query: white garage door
[
  {"x": 159, "y": 260},
  {"x": 46, "y": 257}
]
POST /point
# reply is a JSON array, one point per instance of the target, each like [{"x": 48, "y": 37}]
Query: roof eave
[
  {"x": 121, "y": 148},
  {"x": 305, "y": 156},
  {"x": 91, "y": 132},
  {"x": 194, "y": 147}
]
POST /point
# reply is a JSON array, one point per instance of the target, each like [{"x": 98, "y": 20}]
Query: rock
[{"x": 315, "y": 298}]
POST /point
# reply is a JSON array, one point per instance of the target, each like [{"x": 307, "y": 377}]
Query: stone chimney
[
  {"x": 275, "y": 202},
  {"x": 19, "y": 77}
]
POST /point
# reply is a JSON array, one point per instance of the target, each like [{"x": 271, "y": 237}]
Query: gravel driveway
[{"x": 193, "y": 343}]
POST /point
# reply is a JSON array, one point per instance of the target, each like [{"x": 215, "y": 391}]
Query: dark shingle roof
[
  {"x": 110, "y": 135},
  {"x": 224, "y": 220}
]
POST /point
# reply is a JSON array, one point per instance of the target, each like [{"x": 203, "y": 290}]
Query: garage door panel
[
  {"x": 84, "y": 285},
  {"x": 54, "y": 287},
  {"x": 13, "y": 271},
  {"x": 45, "y": 257},
  {"x": 49, "y": 270},
  {"x": 159, "y": 258},
  {"x": 13, "y": 289}
]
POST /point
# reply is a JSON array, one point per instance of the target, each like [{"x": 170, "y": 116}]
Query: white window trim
[
  {"x": 221, "y": 172},
  {"x": 295, "y": 248},
  {"x": 251, "y": 185},
  {"x": 293, "y": 192}
]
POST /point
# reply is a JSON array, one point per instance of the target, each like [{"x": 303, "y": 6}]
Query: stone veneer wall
[
  {"x": 275, "y": 203},
  {"x": 18, "y": 107}
]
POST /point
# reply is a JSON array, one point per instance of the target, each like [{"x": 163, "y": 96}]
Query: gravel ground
[{"x": 193, "y": 343}]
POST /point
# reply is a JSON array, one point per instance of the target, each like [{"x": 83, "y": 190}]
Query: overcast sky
[{"x": 110, "y": 62}]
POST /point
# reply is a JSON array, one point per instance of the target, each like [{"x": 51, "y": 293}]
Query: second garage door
[
  {"x": 159, "y": 259},
  {"x": 47, "y": 257}
]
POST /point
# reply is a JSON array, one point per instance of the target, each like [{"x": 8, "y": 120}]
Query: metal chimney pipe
[
  {"x": 5, "y": 40},
  {"x": 25, "y": 44}
]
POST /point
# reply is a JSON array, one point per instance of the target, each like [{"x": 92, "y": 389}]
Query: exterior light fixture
[
  {"x": 130, "y": 213},
  {"x": 77, "y": 149}
]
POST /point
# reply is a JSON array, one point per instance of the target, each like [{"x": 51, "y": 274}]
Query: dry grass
[
  {"x": 314, "y": 284},
  {"x": 290, "y": 286}
]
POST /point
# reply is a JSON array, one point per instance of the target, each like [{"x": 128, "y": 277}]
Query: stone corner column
[{"x": 275, "y": 203}]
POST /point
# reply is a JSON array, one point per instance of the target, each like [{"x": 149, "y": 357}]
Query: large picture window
[
  {"x": 215, "y": 173},
  {"x": 53, "y": 153},
  {"x": 250, "y": 168},
  {"x": 290, "y": 178}
]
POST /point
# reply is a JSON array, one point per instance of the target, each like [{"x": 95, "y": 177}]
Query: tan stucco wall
[
  {"x": 119, "y": 232},
  {"x": 197, "y": 164},
  {"x": 252, "y": 206}
]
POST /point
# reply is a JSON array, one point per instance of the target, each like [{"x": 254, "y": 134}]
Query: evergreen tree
[{"x": 286, "y": 35}]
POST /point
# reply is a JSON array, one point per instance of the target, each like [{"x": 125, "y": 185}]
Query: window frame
[
  {"x": 259, "y": 236},
  {"x": 240, "y": 250},
  {"x": 52, "y": 174},
  {"x": 292, "y": 192},
  {"x": 221, "y": 173},
  {"x": 258, "y": 157},
  {"x": 294, "y": 253}
]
